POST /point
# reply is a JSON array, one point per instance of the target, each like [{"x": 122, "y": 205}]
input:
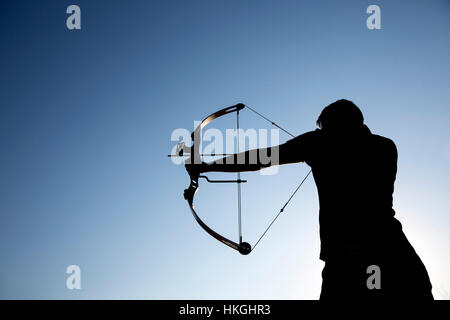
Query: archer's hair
[{"x": 340, "y": 114}]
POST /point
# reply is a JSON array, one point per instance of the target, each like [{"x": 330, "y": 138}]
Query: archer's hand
[{"x": 195, "y": 170}]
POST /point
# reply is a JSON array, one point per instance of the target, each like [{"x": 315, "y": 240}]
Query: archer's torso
[{"x": 355, "y": 175}]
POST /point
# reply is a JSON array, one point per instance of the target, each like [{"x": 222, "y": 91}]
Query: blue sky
[{"x": 87, "y": 115}]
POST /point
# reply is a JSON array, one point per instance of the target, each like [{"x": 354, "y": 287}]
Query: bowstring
[{"x": 295, "y": 191}]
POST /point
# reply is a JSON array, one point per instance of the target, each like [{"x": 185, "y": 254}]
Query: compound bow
[{"x": 195, "y": 157}]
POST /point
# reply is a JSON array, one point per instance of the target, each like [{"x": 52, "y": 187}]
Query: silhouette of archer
[{"x": 354, "y": 171}]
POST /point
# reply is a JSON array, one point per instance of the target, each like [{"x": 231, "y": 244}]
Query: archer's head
[{"x": 340, "y": 116}]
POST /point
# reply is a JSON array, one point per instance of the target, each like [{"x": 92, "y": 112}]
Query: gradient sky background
[{"x": 86, "y": 119}]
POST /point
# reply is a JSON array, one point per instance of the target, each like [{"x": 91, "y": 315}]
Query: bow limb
[{"x": 189, "y": 193}]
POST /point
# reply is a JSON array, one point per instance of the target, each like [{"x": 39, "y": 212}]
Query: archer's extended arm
[{"x": 292, "y": 151}]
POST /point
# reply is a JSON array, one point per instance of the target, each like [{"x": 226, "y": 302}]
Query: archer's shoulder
[
  {"x": 309, "y": 136},
  {"x": 384, "y": 142}
]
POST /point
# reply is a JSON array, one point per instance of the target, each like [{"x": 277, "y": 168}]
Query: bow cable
[
  {"x": 295, "y": 191},
  {"x": 239, "y": 184}
]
